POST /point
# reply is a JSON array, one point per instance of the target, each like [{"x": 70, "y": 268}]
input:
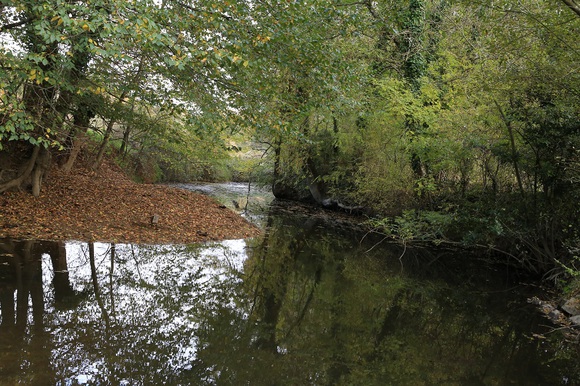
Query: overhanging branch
[
  {"x": 573, "y": 6},
  {"x": 16, "y": 24}
]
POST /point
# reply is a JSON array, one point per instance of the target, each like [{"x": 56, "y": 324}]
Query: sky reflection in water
[{"x": 304, "y": 304}]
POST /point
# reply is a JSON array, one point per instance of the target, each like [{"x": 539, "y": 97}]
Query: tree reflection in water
[
  {"x": 304, "y": 304},
  {"x": 24, "y": 337}
]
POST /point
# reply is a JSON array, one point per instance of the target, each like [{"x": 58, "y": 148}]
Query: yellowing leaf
[{"x": 58, "y": 20}]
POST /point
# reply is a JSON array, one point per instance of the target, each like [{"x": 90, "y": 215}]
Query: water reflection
[{"x": 304, "y": 304}]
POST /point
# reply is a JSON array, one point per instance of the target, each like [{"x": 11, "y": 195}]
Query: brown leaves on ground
[{"x": 107, "y": 206}]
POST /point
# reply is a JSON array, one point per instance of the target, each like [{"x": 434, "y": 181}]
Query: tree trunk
[
  {"x": 513, "y": 148},
  {"x": 77, "y": 137},
  {"x": 125, "y": 143},
  {"x": 36, "y": 181},
  {"x": 77, "y": 146},
  {"x": 42, "y": 164},
  {"x": 18, "y": 181},
  {"x": 103, "y": 147}
]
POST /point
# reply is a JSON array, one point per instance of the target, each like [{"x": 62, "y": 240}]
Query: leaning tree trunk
[
  {"x": 36, "y": 167},
  {"x": 76, "y": 147},
  {"x": 77, "y": 137},
  {"x": 104, "y": 143},
  {"x": 19, "y": 181}
]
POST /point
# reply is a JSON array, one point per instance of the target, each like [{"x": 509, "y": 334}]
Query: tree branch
[
  {"x": 513, "y": 148},
  {"x": 17, "y": 24},
  {"x": 573, "y": 6}
]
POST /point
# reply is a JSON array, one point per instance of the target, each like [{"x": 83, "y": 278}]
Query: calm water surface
[{"x": 311, "y": 302}]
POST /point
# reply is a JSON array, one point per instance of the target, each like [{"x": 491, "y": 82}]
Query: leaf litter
[{"x": 107, "y": 206}]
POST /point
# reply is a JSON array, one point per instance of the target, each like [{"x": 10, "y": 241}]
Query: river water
[{"x": 310, "y": 302}]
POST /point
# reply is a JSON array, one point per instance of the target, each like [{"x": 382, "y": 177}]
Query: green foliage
[
  {"x": 246, "y": 167},
  {"x": 413, "y": 225},
  {"x": 412, "y": 42},
  {"x": 481, "y": 110},
  {"x": 571, "y": 262}
]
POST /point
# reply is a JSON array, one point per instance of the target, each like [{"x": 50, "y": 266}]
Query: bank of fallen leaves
[{"x": 107, "y": 206}]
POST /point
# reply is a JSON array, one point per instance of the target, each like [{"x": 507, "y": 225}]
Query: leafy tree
[{"x": 73, "y": 61}]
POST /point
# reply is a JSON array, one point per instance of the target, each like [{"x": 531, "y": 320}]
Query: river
[{"x": 311, "y": 302}]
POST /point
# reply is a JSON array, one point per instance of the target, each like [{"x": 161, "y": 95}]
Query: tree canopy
[
  {"x": 204, "y": 65},
  {"x": 467, "y": 109}
]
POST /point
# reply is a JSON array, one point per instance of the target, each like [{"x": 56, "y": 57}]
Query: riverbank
[{"x": 107, "y": 206}]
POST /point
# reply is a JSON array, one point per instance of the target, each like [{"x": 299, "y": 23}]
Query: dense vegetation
[{"x": 458, "y": 119}]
